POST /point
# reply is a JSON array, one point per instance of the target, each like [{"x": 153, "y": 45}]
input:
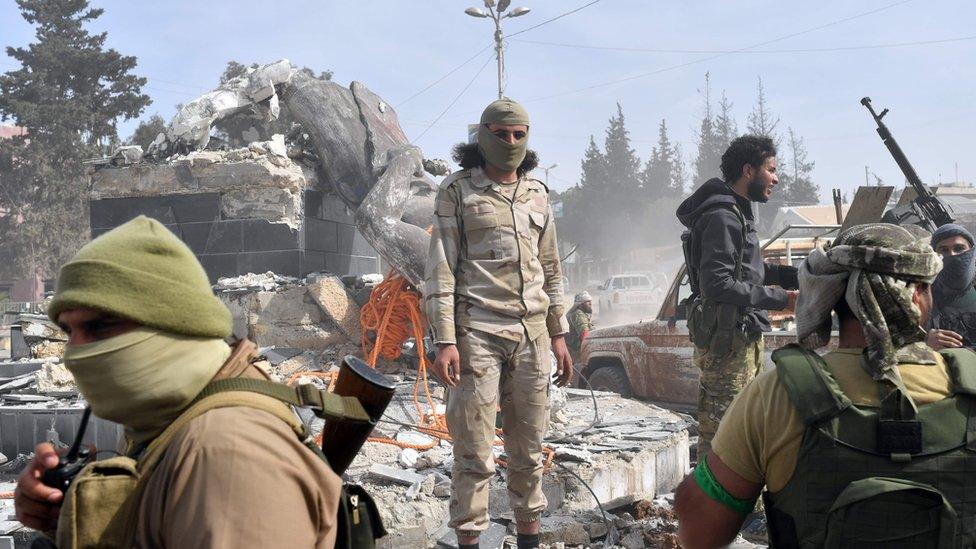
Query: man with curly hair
[{"x": 732, "y": 286}]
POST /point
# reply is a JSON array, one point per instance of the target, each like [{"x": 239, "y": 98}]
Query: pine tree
[
  {"x": 679, "y": 178},
  {"x": 663, "y": 175},
  {"x": 800, "y": 190},
  {"x": 726, "y": 128},
  {"x": 761, "y": 119},
  {"x": 68, "y": 94},
  {"x": 710, "y": 149},
  {"x": 623, "y": 163},
  {"x": 582, "y": 205},
  {"x": 622, "y": 195}
]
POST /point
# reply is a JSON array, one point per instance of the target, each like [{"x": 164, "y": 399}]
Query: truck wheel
[{"x": 611, "y": 378}]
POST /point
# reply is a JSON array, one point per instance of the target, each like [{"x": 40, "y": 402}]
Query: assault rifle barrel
[{"x": 937, "y": 212}]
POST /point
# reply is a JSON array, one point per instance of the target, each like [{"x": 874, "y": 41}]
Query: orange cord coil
[{"x": 391, "y": 316}]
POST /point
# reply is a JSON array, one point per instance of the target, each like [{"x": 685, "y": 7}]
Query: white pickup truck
[{"x": 628, "y": 291}]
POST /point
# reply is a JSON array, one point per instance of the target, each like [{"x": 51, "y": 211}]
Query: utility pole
[{"x": 496, "y": 14}]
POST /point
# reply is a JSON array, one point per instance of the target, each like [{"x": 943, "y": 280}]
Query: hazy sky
[{"x": 397, "y": 48}]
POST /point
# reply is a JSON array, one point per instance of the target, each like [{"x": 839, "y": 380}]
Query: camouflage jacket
[
  {"x": 580, "y": 322},
  {"x": 493, "y": 263}
]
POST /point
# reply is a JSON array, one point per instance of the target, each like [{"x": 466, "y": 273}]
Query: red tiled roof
[{"x": 11, "y": 131}]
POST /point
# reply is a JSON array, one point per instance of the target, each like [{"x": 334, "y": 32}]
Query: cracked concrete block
[
  {"x": 54, "y": 378},
  {"x": 48, "y": 349},
  {"x": 273, "y": 204},
  {"x": 330, "y": 294},
  {"x": 395, "y": 474},
  {"x": 566, "y": 529},
  {"x": 284, "y": 318},
  {"x": 492, "y": 538}
]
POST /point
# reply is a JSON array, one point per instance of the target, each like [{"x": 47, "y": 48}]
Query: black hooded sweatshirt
[{"x": 716, "y": 236}]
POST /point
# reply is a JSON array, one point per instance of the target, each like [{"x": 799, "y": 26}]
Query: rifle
[
  {"x": 341, "y": 439},
  {"x": 927, "y": 210}
]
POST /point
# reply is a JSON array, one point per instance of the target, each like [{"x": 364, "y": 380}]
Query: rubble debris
[
  {"x": 331, "y": 296},
  {"x": 267, "y": 282},
  {"x": 566, "y": 529},
  {"x": 437, "y": 167},
  {"x": 394, "y": 474},
  {"x": 492, "y": 538},
  {"x": 190, "y": 128},
  {"x": 127, "y": 155},
  {"x": 276, "y": 311},
  {"x": 55, "y": 379}
]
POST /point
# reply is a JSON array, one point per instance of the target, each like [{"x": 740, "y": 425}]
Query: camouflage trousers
[
  {"x": 495, "y": 371},
  {"x": 722, "y": 378}
]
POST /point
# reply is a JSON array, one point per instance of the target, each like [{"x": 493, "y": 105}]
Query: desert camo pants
[
  {"x": 515, "y": 374},
  {"x": 722, "y": 378}
]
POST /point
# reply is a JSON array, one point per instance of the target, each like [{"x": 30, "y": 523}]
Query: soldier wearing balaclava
[
  {"x": 146, "y": 338},
  {"x": 494, "y": 300},
  {"x": 953, "y": 294}
]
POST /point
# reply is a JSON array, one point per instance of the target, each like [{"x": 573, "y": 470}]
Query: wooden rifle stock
[{"x": 342, "y": 439}]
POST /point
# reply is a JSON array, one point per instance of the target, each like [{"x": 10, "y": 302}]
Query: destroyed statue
[
  {"x": 359, "y": 147},
  {"x": 146, "y": 346}
]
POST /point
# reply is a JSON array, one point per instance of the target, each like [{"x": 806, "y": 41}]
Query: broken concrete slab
[
  {"x": 15, "y": 368},
  {"x": 566, "y": 529},
  {"x": 492, "y": 538},
  {"x": 287, "y": 317},
  {"x": 330, "y": 294},
  {"x": 394, "y": 474},
  {"x": 54, "y": 378}
]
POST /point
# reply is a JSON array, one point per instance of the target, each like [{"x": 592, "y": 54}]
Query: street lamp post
[
  {"x": 546, "y": 170},
  {"x": 496, "y": 14}
]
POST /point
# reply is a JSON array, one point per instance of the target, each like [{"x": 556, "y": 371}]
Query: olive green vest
[{"x": 865, "y": 480}]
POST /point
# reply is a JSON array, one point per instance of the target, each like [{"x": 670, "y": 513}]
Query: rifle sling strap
[{"x": 323, "y": 403}]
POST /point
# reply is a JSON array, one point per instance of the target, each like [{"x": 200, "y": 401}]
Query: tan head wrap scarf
[{"x": 875, "y": 267}]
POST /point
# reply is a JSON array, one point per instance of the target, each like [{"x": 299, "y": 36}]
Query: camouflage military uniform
[
  {"x": 580, "y": 322},
  {"x": 722, "y": 378},
  {"x": 494, "y": 289}
]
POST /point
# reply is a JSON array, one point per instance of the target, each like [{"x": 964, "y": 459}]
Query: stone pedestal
[{"x": 240, "y": 211}]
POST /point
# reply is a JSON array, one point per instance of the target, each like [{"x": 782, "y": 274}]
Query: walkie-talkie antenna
[{"x": 76, "y": 445}]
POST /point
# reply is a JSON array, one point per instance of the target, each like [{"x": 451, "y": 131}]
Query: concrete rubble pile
[{"x": 629, "y": 453}]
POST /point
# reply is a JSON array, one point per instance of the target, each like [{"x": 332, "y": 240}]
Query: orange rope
[
  {"x": 6, "y": 495},
  {"x": 390, "y": 317}
]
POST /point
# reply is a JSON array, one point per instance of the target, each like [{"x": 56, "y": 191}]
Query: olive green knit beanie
[{"x": 141, "y": 271}]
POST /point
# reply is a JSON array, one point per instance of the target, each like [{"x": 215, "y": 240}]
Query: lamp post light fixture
[
  {"x": 546, "y": 170},
  {"x": 496, "y": 13}
]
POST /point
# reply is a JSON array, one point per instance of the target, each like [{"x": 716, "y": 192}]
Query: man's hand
[
  {"x": 943, "y": 339},
  {"x": 38, "y": 505},
  {"x": 447, "y": 364},
  {"x": 791, "y": 296},
  {"x": 564, "y": 363}
]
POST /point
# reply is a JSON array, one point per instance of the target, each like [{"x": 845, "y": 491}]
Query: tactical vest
[
  {"x": 712, "y": 325},
  {"x": 847, "y": 492},
  {"x": 101, "y": 507}
]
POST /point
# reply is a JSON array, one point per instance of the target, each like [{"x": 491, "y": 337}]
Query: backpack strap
[{"x": 811, "y": 388}]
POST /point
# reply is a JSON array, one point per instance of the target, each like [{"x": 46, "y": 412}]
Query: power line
[
  {"x": 441, "y": 79},
  {"x": 547, "y": 21},
  {"x": 453, "y": 101},
  {"x": 803, "y": 50},
  {"x": 710, "y": 58}
]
